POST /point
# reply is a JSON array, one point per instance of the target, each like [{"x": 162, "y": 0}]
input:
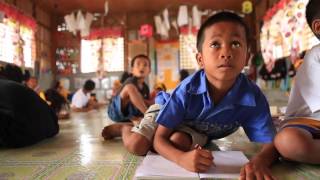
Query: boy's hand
[
  {"x": 255, "y": 170},
  {"x": 197, "y": 160}
]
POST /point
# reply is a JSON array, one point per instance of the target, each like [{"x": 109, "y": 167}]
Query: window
[
  {"x": 110, "y": 58},
  {"x": 188, "y": 51},
  {"x": 113, "y": 54},
  {"x": 16, "y": 44},
  {"x": 28, "y": 50},
  {"x": 90, "y": 50}
]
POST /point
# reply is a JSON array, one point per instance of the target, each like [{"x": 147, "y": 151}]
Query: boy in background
[
  {"x": 81, "y": 99},
  {"x": 131, "y": 101},
  {"x": 299, "y": 138}
]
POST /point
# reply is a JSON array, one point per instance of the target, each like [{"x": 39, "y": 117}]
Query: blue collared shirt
[{"x": 244, "y": 105}]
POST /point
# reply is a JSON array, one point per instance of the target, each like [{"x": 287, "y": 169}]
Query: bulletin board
[{"x": 167, "y": 55}]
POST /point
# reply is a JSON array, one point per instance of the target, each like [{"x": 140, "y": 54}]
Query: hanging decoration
[
  {"x": 17, "y": 15},
  {"x": 271, "y": 12},
  {"x": 247, "y": 7},
  {"x": 100, "y": 33},
  {"x": 185, "y": 22},
  {"x": 146, "y": 30},
  {"x": 79, "y": 22},
  {"x": 285, "y": 32},
  {"x": 183, "y": 15}
]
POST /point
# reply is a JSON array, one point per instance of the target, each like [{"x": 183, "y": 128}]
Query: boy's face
[
  {"x": 141, "y": 68},
  {"x": 32, "y": 83},
  {"x": 224, "y": 51}
]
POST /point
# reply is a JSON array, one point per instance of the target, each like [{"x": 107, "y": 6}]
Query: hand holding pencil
[{"x": 197, "y": 160}]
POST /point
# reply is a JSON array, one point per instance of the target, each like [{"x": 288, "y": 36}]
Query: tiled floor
[{"x": 78, "y": 152}]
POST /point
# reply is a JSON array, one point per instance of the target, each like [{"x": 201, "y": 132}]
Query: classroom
[{"x": 159, "y": 89}]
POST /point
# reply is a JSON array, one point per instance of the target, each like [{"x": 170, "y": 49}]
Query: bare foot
[{"x": 114, "y": 130}]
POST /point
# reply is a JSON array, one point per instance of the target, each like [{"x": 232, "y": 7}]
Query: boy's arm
[
  {"x": 259, "y": 166},
  {"x": 196, "y": 160}
]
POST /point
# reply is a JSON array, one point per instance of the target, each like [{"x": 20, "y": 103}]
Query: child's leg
[
  {"x": 114, "y": 130},
  {"x": 137, "y": 139},
  {"x": 131, "y": 93},
  {"x": 135, "y": 143},
  {"x": 298, "y": 145}
]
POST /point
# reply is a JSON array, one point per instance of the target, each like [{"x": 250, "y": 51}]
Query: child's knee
[
  {"x": 138, "y": 145},
  {"x": 292, "y": 142}
]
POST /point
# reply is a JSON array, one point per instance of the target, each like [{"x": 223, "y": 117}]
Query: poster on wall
[{"x": 168, "y": 63}]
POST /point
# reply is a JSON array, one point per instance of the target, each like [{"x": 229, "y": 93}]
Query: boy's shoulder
[
  {"x": 129, "y": 80},
  {"x": 315, "y": 49},
  {"x": 193, "y": 84},
  {"x": 248, "y": 84},
  {"x": 313, "y": 55}
]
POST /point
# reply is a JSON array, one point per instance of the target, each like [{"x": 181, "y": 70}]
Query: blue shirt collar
[
  {"x": 242, "y": 92},
  {"x": 198, "y": 83}
]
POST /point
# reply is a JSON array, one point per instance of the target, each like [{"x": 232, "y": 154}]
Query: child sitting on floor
[
  {"x": 131, "y": 101},
  {"x": 299, "y": 138}
]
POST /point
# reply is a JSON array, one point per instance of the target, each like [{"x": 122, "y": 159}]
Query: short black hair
[
  {"x": 12, "y": 72},
  {"x": 219, "y": 17},
  {"x": 140, "y": 56},
  {"x": 89, "y": 85},
  {"x": 312, "y": 11}
]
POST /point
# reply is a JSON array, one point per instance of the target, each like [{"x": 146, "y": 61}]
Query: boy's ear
[
  {"x": 199, "y": 59},
  {"x": 316, "y": 26}
]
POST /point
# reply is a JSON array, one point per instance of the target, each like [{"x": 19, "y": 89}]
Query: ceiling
[{"x": 62, "y": 7}]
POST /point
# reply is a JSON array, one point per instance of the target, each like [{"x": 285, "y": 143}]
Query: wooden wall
[{"x": 130, "y": 22}]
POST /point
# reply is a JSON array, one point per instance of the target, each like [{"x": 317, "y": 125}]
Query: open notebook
[{"x": 228, "y": 165}]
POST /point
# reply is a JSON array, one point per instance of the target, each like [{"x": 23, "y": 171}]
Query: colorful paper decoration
[
  {"x": 285, "y": 31},
  {"x": 146, "y": 30},
  {"x": 247, "y": 7},
  {"x": 17, "y": 15},
  {"x": 104, "y": 33}
]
